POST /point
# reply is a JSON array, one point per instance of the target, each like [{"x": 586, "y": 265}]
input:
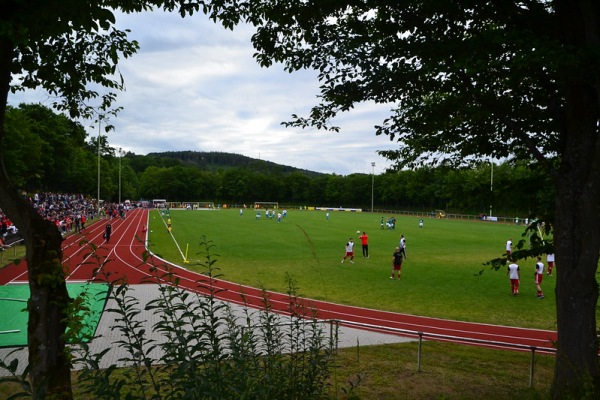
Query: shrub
[{"x": 206, "y": 350}]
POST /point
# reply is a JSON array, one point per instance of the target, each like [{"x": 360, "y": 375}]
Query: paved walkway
[{"x": 107, "y": 337}]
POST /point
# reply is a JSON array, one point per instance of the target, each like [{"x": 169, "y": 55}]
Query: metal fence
[
  {"x": 335, "y": 325},
  {"x": 9, "y": 250},
  {"x": 334, "y": 334},
  {"x": 430, "y": 214}
]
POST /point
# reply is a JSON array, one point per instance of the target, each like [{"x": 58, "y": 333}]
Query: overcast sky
[{"x": 195, "y": 86}]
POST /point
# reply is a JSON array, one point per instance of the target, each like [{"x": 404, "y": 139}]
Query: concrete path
[{"x": 106, "y": 337}]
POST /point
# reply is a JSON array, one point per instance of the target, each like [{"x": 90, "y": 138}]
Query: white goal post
[
  {"x": 266, "y": 205},
  {"x": 204, "y": 205},
  {"x": 192, "y": 205}
]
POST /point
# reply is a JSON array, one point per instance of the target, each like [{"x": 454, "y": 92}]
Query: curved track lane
[{"x": 125, "y": 258}]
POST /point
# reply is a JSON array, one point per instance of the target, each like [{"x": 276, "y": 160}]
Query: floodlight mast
[
  {"x": 99, "y": 126},
  {"x": 120, "y": 156},
  {"x": 491, "y": 184},
  {"x": 372, "y": 184}
]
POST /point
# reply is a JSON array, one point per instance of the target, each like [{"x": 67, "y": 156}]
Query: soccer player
[
  {"x": 550, "y": 260},
  {"x": 397, "y": 263},
  {"x": 513, "y": 274},
  {"x": 539, "y": 275},
  {"x": 509, "y": 247},
  {"x": 349, "y": 251},
  {"x": 364, "y": 239},
  {"x": 403, "y": 246}
]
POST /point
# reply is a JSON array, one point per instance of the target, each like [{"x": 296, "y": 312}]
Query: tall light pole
[
  {"x": 372, "y": 184},
  {"x": 99, "y": 124},
  {"x": 491, "y": 185},
  {"x": 120, "y": 156}
]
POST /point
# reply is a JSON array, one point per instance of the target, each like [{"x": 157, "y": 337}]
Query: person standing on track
[
  {"x": 107, "y": 232},
  {"x": 364, "y": 240},
  {"x": 514, "y": 275},
  {"x": 539, "y": 276},
  {"x": 397, "y": 263},
  {"x": 349, "y": 251}
]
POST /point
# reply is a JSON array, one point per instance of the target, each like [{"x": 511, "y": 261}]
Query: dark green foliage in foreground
[{"x": 208, "y": 351}]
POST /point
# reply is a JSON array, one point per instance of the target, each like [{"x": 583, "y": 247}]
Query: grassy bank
[{"x": 448, "y": 371}]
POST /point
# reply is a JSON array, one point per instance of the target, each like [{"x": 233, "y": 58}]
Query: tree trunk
[
  {"x": 577, "y": 370},
  {"x": 577, "y": 209},
  {"x": 50, "y": 372},
  {"x": 48, "y": 354}
]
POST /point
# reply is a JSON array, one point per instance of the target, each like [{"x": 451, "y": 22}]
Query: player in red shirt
[{"x": 364, "y": 239}]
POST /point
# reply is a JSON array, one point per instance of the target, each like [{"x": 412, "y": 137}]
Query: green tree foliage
[
  {"x": 140, "y": 163},
  {"x": 42, "y": 145},
  {"x": 297, "y": 188},
  {"x": 23, "y": 161},
  {"x": 468, "y": 81},
  {"x": 68, "y": 49}
]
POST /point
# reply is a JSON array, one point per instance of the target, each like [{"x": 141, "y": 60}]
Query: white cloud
[{"x": 194, "y": 85}]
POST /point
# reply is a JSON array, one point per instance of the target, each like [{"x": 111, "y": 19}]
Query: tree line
[{"x": 47, "y": 151}]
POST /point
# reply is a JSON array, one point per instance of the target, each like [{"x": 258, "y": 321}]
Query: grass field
[{"x": 440, "y": 278}]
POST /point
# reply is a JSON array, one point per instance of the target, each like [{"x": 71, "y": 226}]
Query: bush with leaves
[{"x": 203, "y": 348}]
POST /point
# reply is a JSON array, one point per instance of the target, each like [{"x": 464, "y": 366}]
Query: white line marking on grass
[{"x": 172, "y": 237}]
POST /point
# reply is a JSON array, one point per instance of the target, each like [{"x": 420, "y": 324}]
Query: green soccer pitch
[{"x": 440, "y": 277}]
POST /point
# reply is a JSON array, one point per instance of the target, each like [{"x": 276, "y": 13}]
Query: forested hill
[{"x": 214, "y": 160}]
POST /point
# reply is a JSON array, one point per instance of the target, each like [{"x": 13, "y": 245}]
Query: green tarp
[{"x": 13, "y": 310}]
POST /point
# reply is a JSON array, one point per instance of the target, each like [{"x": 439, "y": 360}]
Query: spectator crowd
[{"x": 69, "y": 212}]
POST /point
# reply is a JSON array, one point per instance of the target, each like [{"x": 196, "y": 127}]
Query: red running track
[{"x": 125, "y": 257}]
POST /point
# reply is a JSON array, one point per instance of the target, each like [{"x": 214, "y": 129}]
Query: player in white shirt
[
  {"x": 514, "y": 275},
  {"x": 509, "y": 247},
  {"x": 403, "y": 246},
  {"x": 349, "y": 251},
  {"x": 539, "y": 276},
  {"x": 550, "y": 260}
]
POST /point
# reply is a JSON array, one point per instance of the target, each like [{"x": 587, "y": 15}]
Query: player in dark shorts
[{"x": 397, "y": 263}]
